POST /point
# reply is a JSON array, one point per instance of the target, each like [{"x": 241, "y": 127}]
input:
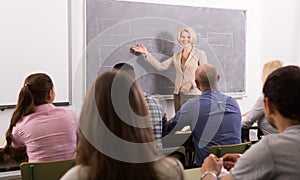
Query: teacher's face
[{"x": 185, "y": 39}]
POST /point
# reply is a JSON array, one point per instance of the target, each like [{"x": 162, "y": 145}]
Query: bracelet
[{"x": 209, "y": 172}]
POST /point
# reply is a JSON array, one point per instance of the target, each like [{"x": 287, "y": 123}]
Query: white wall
[
  {"x": 30, "y": 44},
  {"x": 280, "y": 31},
  {"x": 263, "y": 42},
  {"x": 77, "y": 63}
]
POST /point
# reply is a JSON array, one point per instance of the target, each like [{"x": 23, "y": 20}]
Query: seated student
[
  {"x": 48, "y": 133},
  {"x": 256, "y": 114},
  {"x": 116, "y": 140},
  {"x": 157, "y": 113},
  {"x": 214, "y": 118},
  {"x": 275, "y": 156}
]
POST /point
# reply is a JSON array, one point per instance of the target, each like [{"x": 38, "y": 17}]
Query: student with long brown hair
[
  {"x": 48, "y": 132},
  {"x": 116, "y": 140}
]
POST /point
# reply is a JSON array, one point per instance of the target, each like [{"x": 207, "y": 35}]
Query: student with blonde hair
[{"x": 256, "y": 114}]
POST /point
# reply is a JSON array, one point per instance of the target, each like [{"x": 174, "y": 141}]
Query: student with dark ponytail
[{"x": 47, "y": 132}]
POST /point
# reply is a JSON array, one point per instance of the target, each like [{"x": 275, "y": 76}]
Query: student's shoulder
[
  {"x": 169, "y": 168},
  {"x": 77, "y": 172},
  {"x": 229, "y": 98},
  {"x": 62, "y": 110},
  {"x": 152, "y": 100},
  {"x": 192, "y": 102},
  {"x": 198, "y": 51}
]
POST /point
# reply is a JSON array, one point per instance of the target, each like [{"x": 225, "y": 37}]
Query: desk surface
[
  {"x": 9, "y": 175},
  {"x": 192, "y": 174},
  {"x": 176, "y": 140},
  {"x": 183, "y": 132}
]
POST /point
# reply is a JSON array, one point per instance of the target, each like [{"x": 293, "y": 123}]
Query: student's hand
[
  {"x": 186, "y": 87},
  {"x": 212, "y": 163},
  {"x": 141, "y": 49},
  {"x": 229, "y": 160},
  {"x": 245, "y": 114}
]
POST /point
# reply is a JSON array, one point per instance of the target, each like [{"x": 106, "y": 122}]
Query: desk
[
  {"x": 253, "y": 134},
  {"x": 20, "y": 156},
  {"x": 180, "y": 138},
  {"x": 11, "y": 175},
  {"x": 192, "y": 174}
]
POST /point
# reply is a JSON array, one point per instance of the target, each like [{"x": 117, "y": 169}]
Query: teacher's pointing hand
[{"x": 141, "y": 49}]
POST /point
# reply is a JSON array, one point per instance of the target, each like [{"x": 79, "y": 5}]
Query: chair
[
  {"x": 175, "y": 152},
  {"x": 192, "y": 174},
  {"x": 221, "y": 150},
  {"x": 50, "y": 170}
]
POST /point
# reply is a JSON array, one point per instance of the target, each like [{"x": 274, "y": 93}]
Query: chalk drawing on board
[
  {"x": 110, "y": 36},
  {"x": 220, "y": 39}
]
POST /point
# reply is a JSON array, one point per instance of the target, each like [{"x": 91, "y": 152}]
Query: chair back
[
  {"x": 50, "y": 170},
  {"x": 221, "y": 150}
]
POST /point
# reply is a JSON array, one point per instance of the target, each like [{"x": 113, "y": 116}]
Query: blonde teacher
[{"x": 185, "y": 62}]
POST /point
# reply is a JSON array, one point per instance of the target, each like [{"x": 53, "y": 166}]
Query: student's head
[
  {"x": 125, "y": 67},
  {"x": 115, "y": 112},
  {"x": 191, "y": 32},
  {"x": 269, "y": 67},
  {"x": 37, "y": 90},
  {"x": 40, "y": 86},
  {"x": 281, "y": 92},
  {"x": 206, "y": 77}
]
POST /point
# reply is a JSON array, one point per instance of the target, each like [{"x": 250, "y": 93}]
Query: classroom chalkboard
[
  {"x": 112, "y": 28},
  {"x": 34, "y": 38}
]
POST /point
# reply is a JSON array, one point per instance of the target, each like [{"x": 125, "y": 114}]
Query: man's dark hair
[
  {"x": 282, "y": 87},
  {"x": 126, "y": 68}
]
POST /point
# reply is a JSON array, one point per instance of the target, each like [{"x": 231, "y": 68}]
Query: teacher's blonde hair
[{"x": 193, "y": 35}]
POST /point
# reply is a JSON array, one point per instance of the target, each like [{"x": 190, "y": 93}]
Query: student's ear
[
  {"x": 51, "y": 95},
  {"x": 268, "y": 107},
  {"x": 197, "y": 83},
  {"x": 218, "y": 77}
]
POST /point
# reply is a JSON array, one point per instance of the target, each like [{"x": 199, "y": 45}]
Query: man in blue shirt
[{"x": 214, "y": 118}]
